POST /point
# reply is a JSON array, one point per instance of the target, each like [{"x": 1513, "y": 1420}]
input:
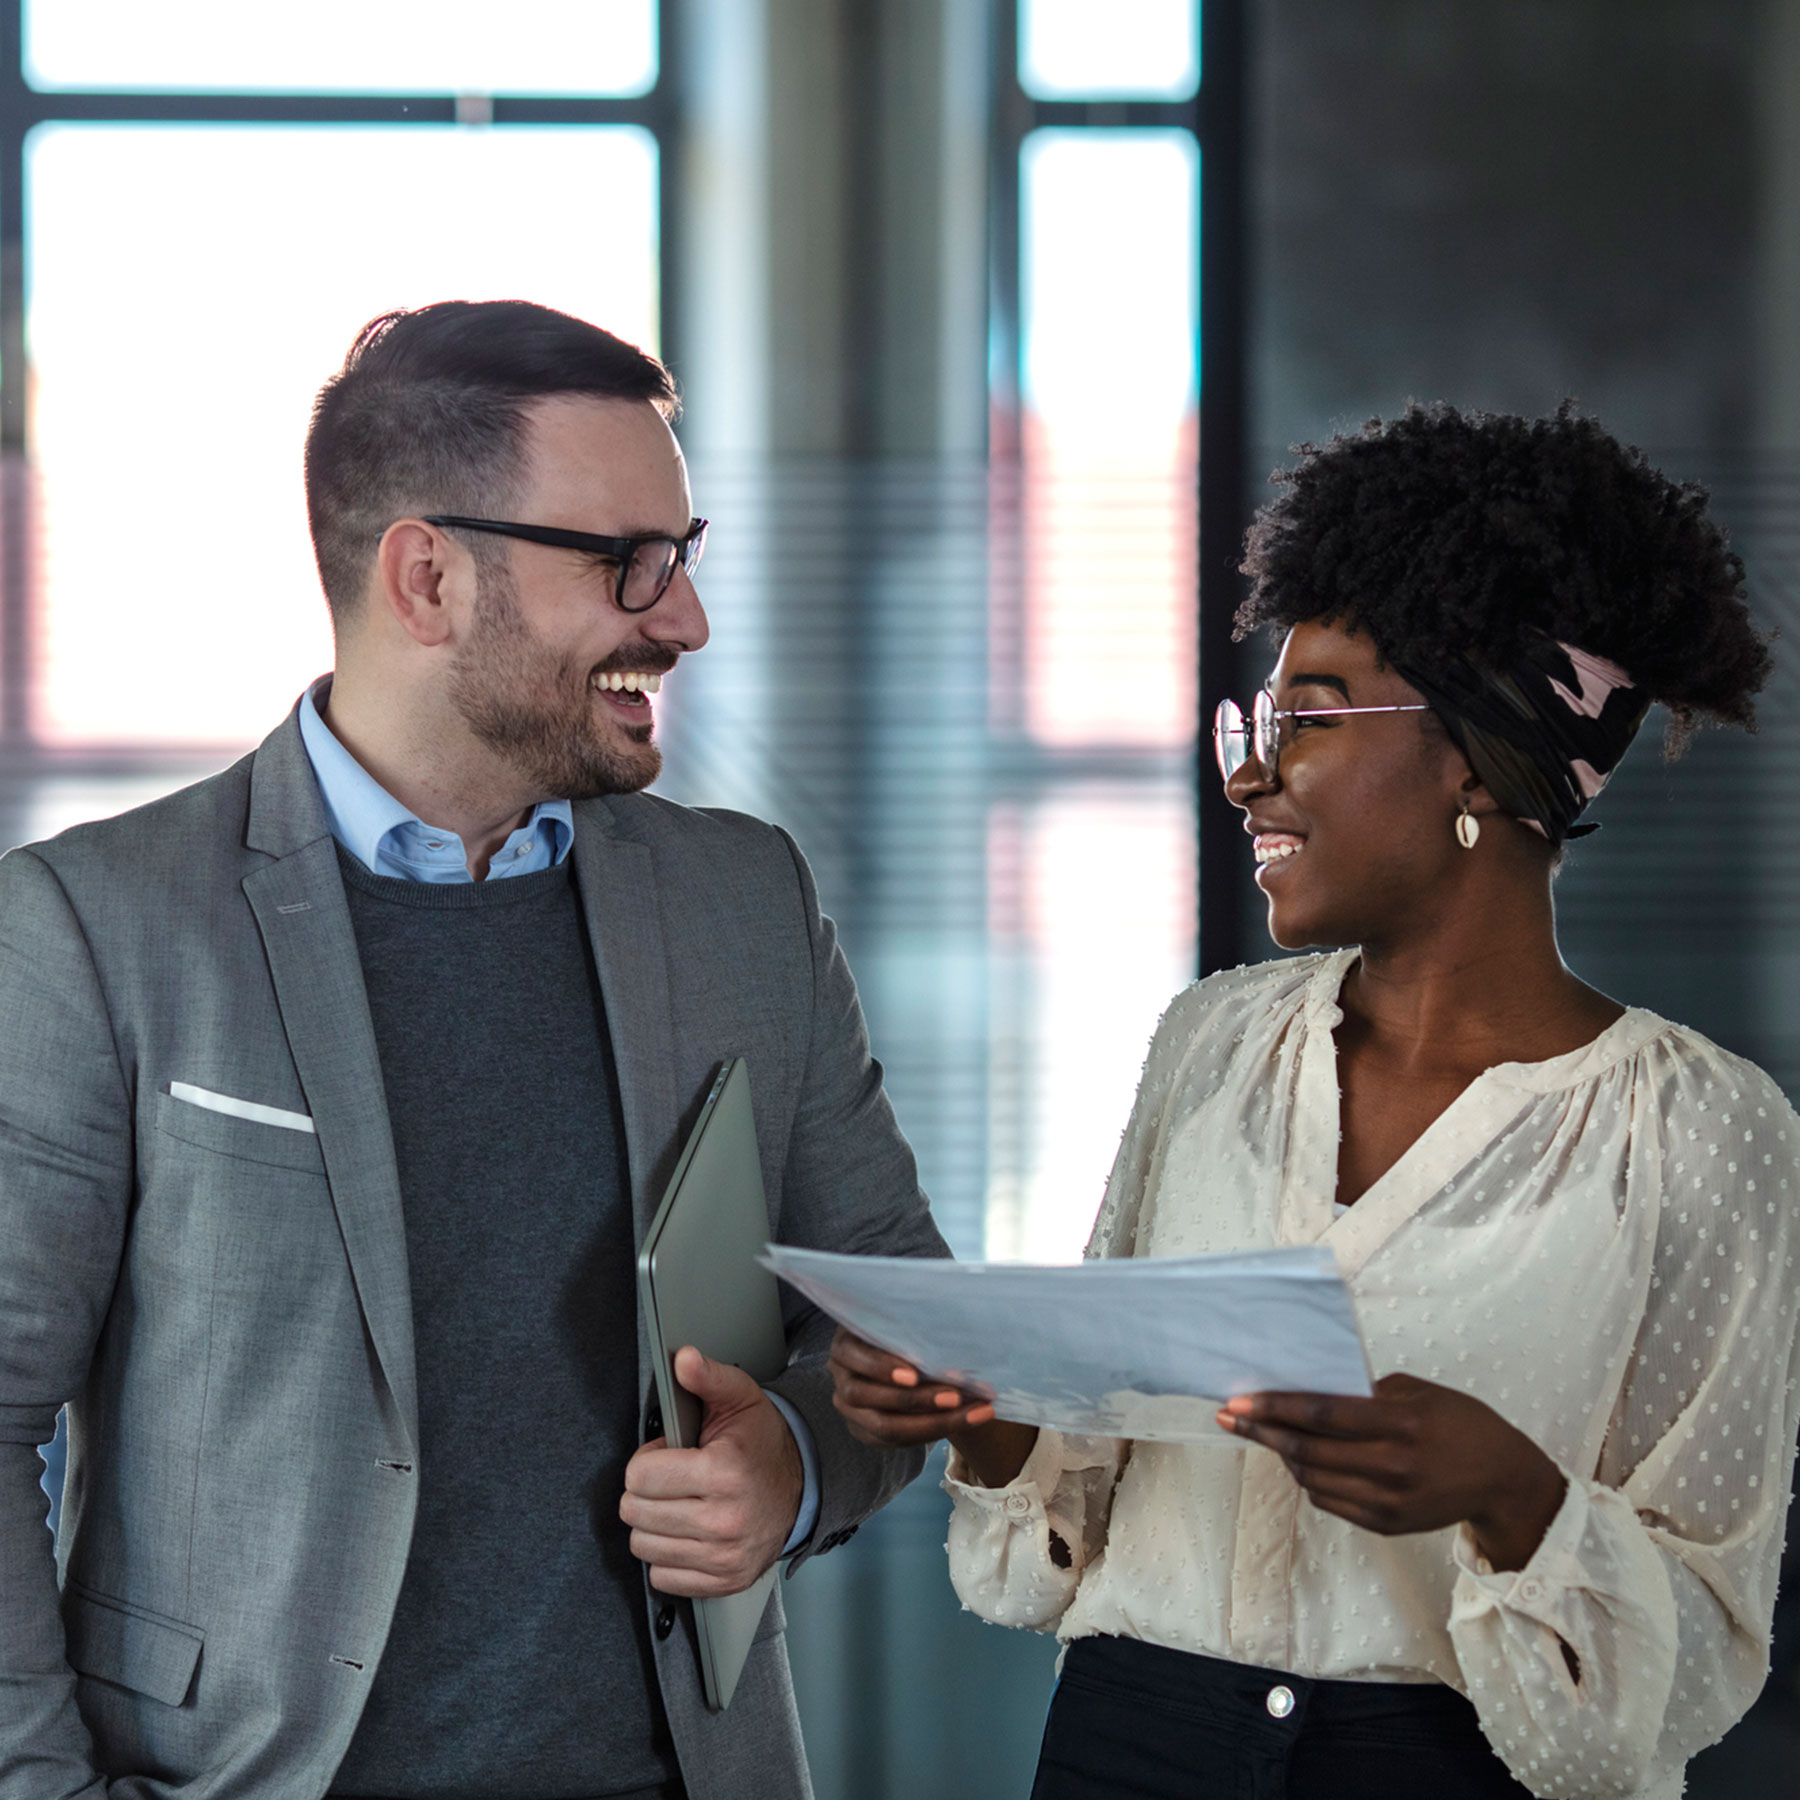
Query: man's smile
[{"x": 627, "y": 690}]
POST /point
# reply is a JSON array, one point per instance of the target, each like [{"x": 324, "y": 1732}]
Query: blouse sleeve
[
  {"x": 1638, "y": 1632},
  {"x": 1018, "y": 1553}
]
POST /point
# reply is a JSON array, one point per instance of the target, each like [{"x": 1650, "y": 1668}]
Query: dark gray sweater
[{"x": 518, "y": 1667}]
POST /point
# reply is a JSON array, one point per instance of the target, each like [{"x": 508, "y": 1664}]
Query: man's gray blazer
[{"x": 223, "y": 1300}]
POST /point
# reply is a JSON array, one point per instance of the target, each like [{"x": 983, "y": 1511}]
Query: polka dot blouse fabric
[{"x": 1600, "y": 1246}]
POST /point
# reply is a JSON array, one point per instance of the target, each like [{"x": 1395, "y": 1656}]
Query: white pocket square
[{"x": 239, "y": 1109}]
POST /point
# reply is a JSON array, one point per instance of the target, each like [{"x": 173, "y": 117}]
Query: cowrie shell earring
[{"x": 1468, "y": 828}]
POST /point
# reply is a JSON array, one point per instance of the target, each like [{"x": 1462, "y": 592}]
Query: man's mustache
[{"x": 637, "y": 661}]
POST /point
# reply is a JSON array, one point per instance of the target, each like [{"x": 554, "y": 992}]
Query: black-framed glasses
[
  {"x": 646, "y": 564},
  {"x": 1237, "y": 741}
]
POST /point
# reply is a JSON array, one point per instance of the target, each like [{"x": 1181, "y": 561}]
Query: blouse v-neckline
[{"x": 1476, "y": 1116}]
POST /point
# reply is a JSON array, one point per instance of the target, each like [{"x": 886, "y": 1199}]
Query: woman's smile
[{"x": 1274, "y": 847}]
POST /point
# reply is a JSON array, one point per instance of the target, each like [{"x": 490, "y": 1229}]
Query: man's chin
[{"x": 618, "y": 773}]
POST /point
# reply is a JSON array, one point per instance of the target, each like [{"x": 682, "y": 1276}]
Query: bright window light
[
  {"x": 191, "y": 288},
  {"x": 1109, "y": 221},
  {"x": 343, "y": 46},
  {"x": 1093, "y": 891},
  {"x": 1109, "y": 281},
  {"x": 1109, "y": 49}
]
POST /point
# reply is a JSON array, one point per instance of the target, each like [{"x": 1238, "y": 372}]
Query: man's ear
[{"x": 419, "y": 573}]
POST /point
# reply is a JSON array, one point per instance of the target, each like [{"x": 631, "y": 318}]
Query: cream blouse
[{"x": 1600, "y": 1246}]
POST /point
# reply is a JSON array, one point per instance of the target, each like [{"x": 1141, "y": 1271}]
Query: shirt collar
[{"x": 387, "y": 837}]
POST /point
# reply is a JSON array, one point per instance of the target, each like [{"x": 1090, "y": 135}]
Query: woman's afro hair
[{"x": 1443, "y": 532}]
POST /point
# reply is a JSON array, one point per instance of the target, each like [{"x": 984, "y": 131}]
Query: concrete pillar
[
  {"x": 833, "y": 344},
  {"x": 834, "y": 195}
]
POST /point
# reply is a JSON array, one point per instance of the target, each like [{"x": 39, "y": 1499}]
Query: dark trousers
[{"x": 1137, "y": 1720}]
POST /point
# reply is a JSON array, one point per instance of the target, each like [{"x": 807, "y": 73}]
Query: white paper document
[{"x": 1135, "y": 1347}]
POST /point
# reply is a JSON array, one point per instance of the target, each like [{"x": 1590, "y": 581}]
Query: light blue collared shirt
[{"x": 389, "y": 839}]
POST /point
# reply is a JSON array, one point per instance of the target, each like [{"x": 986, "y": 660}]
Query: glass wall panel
[
  {"x": 1108, "y": 224},
  {"x": 191, "y": 288},
  {"x": 1092, "y": 933},
  {"x": 1091, "y": 866},
  {"x": 343, "y": 46},
  {"x": 1122, "y": 49}
]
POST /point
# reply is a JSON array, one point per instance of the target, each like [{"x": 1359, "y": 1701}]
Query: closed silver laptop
[{"x": 699, "y": 1283}]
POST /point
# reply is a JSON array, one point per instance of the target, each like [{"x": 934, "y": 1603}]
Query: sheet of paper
[{"x": 1139, "y": 1348}]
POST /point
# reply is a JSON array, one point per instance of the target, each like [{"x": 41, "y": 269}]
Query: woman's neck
[
  {"x": 1468, "y": 1007},
  {"x": 1487, "y": 984}
]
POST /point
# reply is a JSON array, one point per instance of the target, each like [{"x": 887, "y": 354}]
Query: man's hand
[
  {"x": 1415, "y": 1457},
  {"x": 710, "y": 1521}
]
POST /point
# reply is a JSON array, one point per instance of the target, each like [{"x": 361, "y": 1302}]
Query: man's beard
[{"x": 538, "y": 710}]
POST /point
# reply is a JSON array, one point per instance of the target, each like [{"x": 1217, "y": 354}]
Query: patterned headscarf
[{"x": 1543, "y": 734}]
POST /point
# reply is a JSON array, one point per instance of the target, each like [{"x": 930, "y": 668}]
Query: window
[
  {"x": 1124, "y": 50},
  {"x": 341, "y": 46},
  {"x": 191, "y": 286},
  {"x": 1091, "y": 852},
  {"x": 215, "y": 198}
]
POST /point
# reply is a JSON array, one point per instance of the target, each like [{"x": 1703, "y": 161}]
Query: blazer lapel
[
  {"x": 617, "y": 877},
  {"x": 300, "y": 909}
]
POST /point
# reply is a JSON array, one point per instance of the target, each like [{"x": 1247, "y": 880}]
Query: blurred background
[{"x": 992, "y": 318}]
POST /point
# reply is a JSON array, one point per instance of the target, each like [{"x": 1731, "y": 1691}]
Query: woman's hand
[
  {"x": 887, "y": 1402},
  {"x": 1415, "y": 1457}
]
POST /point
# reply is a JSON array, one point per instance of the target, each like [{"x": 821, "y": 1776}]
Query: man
[{"x": 334, "y": 1094}]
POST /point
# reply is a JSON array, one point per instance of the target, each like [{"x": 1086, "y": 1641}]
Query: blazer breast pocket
[
  {"x": 110, "y": 1640},
  {"x": 248, "y": 1139}
]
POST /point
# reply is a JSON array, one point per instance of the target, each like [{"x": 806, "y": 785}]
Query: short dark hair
[
  {"x": 1443, "y": 531},
  {"x": 427, "y": 415}
]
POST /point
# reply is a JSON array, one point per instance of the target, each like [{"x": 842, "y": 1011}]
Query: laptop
[{"x": 699, "y": 1283}]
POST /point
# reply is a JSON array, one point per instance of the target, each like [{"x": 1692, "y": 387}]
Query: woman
[{"x": 1542, "y": 1557}]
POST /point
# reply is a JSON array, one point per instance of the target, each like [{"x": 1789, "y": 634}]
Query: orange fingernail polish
[{"x": 905, "y": 1377}]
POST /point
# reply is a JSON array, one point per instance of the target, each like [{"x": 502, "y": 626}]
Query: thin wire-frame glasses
[
  {"x": 646, "y": 564},
  {"x": 1237, "y": 741}
]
